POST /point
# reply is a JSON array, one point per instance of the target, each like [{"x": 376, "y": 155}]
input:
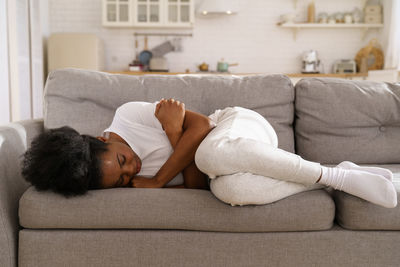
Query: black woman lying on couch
[{"x": 149, "y": 144}]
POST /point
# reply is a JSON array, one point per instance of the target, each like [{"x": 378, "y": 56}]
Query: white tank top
[{"x": 136, "y": 123}]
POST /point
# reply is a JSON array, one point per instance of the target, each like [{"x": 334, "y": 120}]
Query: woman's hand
[
  {"x": 143, "y": 182},
  {"x": 171, "y": 114}
]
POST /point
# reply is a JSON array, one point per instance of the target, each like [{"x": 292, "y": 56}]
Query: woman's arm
[
  {"x": 193, "y": 177},
  {"x": 195, "y": 128}
]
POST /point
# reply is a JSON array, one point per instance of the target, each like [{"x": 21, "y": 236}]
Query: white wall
[{"x": 250, "y": 38}]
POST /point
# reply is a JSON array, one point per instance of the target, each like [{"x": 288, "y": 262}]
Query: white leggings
[{"x": 244, "y": 142}]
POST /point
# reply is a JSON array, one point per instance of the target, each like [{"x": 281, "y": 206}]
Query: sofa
[{"x": 321, "y": 119}]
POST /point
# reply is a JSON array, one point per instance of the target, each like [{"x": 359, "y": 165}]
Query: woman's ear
[{"x": 101, "y": 138}]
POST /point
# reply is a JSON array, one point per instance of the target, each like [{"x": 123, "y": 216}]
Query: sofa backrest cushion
[
  {"x": 338, "y": 119},
  {"x": 86, "y": 100}
]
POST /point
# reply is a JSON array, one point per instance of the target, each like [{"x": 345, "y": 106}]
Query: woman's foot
[
  {"x": 380, "y": 171},
  {"x": 372, "y": 187}
]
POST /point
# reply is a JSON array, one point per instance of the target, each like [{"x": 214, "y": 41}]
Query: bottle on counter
[{"x": 311, "y": 12}]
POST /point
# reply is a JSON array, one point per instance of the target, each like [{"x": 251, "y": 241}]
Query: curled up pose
[{"x": 162, "y": 144}]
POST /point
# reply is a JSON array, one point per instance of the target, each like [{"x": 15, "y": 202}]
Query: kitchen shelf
[{"x": 298, "y": 26}]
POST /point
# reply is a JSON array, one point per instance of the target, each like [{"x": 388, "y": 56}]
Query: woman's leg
[{"x": 244, "y": 141}]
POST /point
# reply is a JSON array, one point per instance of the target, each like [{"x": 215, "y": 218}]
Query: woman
[{"x": 149, "y": 144}]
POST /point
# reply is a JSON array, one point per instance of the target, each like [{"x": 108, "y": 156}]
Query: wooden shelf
[
  {"x": 363, "y": 26},
  {"x": 330, "y": 25}
]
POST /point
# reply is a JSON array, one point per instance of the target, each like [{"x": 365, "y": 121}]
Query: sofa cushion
[
  {"x": 86, "y": 100},
  {"x": 338, "y": 119},
  {"x": 357, "y": 214},
  {"x": 186, "y": 209}
]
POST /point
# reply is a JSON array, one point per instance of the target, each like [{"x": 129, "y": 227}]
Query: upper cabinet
[
  {"x": 117, "y": 13},
  {"x": 148, "y": 13}
]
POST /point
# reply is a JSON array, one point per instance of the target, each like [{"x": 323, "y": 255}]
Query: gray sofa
[{"x": 325, "y": 120}]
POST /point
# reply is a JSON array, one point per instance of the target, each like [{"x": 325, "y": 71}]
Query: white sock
[
  {"x": 369, "y": 186},
  {"x": 381, "y": 171}
]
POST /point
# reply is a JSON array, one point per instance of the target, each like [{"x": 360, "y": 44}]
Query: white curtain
[
  {"x": 392, "y": 55},
  {"x": 4, "y": 74},
  {"x": 21, "y": 60}
]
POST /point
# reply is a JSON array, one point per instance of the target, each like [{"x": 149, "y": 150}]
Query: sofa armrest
[
  {"x": 32, "y": 128},
  {"x": 13, "y": 143}
]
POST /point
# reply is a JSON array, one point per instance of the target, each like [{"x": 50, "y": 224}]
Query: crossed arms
[{"x": 185, "y": 130}]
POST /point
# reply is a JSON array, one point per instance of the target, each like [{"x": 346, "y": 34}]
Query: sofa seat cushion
[
  {"x": 357, "y": 214},
  {"x": 172, "y": 208}
]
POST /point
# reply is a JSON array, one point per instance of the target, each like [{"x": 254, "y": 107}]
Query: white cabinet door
[
  {"x": 180, "y": 13},
  {"x": 148, "y": 13},
  {"x": 117, "y": 13}
]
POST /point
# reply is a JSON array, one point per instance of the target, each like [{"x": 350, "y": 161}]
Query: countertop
[{"x": 293, "y": 75}]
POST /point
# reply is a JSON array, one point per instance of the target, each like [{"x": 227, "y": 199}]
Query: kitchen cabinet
[
  {"x": 148, "y": 13},
  {"x": 117, "y": 13}
]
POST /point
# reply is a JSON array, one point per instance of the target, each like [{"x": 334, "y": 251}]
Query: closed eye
[
  {"x": 120, "y": 181},
  {"x": 121, "y": 178}
]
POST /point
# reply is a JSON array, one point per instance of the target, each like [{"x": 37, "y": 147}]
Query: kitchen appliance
[
  {"x": 223, "y": 66},
  {"x": 162, "y": 49},
  {"x": 344, "y": 66},
  {"x": 311, "y": 63},
  {"x": 203, "y": 67},
  {"x": 75, "y": 50},
  {"x": 159, "y": 64}
]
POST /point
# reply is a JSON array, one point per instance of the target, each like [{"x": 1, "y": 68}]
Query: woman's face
[{"x": 119, "y": 164}]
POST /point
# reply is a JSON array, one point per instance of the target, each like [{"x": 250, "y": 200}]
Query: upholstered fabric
[
  {"x": 247, "y": 188},
  {"x": 241, "y": 156},
  {"x": 338, "y": 119},
  {"x": 357, "y": 214},
  {"x": 170, "y": 248},
  {"x": 86, "y": 100},
  {"x": 161, "y": 208},
  {"x": 12, "y": 146}
]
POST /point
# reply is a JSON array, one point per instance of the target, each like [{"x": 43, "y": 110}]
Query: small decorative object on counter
[
  {"x": 339, "y": 17},
  {"x": 287, "y": 18},
  {"x": 323, "y": 17},
  {"x": 203, "y": 67},
  {"x": 311, "y": 12},
  {"x": 348, "y": 18},
  {"x": 344, "y": 66},
  {"x": 223, "y": 66},
  {"x": 135, "y": 66},
  {"x": 357, "y": 15},
  {"x": 373, "y": 14},
  {"x": 311, "y": 63},
  {"x": 371, "y": 55}
]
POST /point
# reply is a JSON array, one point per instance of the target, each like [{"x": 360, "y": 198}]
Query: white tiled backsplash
[{"x": 250, "y": 38}]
